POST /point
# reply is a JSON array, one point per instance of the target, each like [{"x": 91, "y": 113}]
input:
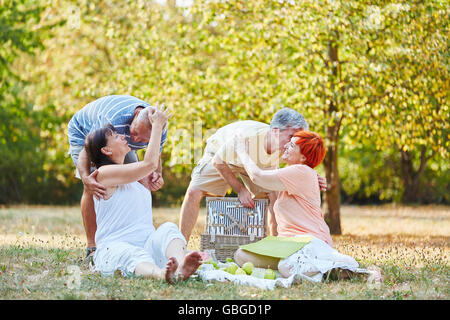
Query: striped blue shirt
[{"x": 115, "y": 109}]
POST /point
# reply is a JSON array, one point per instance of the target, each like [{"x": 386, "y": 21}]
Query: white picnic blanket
[{"x": 315, "y": 257}]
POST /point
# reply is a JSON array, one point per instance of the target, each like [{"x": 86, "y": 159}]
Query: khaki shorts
[
  {"x": 206, "y": 178},
  {"x": 74, "y": 152}
]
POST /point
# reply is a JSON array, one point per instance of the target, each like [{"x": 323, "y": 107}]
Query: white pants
[
  {"x": 124, "y": 256},
  {"x": 317, "y": 257}
]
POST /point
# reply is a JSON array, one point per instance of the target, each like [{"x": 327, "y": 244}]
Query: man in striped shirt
[{"x": 129, "y": 115}]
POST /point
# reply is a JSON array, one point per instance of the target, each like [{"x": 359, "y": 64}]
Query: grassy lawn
[{"x": 39, "y": 244}]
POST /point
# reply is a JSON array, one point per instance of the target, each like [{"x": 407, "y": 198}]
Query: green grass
[{"x": 39, "y": 244}]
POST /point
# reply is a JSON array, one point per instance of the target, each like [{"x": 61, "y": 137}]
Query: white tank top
[{"x": 125, "y": 216}]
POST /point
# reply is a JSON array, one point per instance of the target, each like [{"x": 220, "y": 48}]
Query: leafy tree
[
  {"x": 19, "y": 124},
  {"x": 338, "y": 62},
  {"x": 411, "y": 111},
  {"x": 353, "y": 68}
]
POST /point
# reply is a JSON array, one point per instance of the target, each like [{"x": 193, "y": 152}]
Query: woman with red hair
[{"x": 297, "y": 208}]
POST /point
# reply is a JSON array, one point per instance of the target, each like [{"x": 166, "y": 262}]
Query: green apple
[
  {"x": 240, "y": 271},
  {"x": 210, "y": 261},
  {"x": 229, "y": 260},
  {"x": 232, "y": 267},
  {"x": 248, "y": 267},
  {"x": 270, "y": 274},
  {"x": 258, "y": 273}
]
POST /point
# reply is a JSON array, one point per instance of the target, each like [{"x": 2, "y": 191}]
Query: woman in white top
[{"x": 126, "y": 238}]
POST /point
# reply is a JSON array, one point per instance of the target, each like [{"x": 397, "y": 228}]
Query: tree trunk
[
  {"x": 412, "y": 178},
  {"x": 333, "y": 194}
]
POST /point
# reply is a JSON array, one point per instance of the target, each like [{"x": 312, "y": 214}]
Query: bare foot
[
  {"x": 190, "y": 264},
  {"x": 171, "y": 268}
]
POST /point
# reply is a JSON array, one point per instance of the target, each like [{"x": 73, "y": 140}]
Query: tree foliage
[
  {"x": 370, "y": 76},
  {"x": 22, "y": 162}
]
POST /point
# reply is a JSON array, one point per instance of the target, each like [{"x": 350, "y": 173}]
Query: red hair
[{"x": 311, "y": 146}]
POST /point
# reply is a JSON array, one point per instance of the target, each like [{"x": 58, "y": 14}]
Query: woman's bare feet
[
  {"x": 190, "y": 264},
  {"x": 171, "y": 268}
]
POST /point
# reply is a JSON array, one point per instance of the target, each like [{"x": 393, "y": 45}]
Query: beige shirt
[{"x": 222, "y": 144}]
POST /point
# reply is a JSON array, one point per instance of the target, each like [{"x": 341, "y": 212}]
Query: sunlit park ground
[{"x": 39, "y": 244}]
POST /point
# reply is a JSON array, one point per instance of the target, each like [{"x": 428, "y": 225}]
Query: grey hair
[
  {"x": 287, "y": 117},
  {"x": 143, "y": 115}
]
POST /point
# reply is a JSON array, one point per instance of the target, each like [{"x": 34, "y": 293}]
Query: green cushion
[{"x": 277, "y": 247}]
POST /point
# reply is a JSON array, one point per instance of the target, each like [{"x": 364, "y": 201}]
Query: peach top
[{"x": 297, "y": 210}]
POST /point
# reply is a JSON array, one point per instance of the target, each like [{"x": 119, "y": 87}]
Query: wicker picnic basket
[{"x": 229, "y": 225}]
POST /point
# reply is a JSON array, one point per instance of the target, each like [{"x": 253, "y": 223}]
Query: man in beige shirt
[{"x": 217, "y": 170}]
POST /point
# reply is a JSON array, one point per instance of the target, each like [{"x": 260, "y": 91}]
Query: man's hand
[
  {"x": 322, "y": 183},
  {"x": 93, "y": 187},
  {"x": 155, "y": 181},
  {"x": 245, "y": 197}
]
